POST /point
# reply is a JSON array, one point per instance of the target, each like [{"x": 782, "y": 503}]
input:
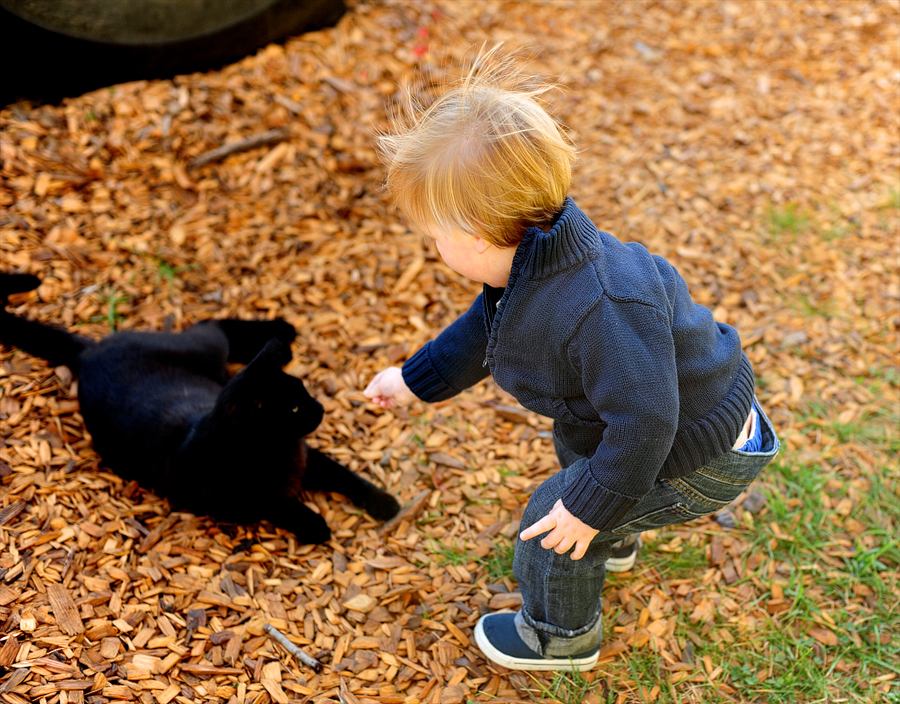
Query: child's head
[{"x": 484, "y": 159}]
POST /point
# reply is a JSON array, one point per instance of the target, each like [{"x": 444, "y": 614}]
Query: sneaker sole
[
  {"x": 621, "y": 564},
  {"x": 542, "y": 665}
]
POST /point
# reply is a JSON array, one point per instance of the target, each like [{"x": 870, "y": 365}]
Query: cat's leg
[
  {"x": 293, "y": 515},
  {"x": 324, "y": 474},
  {"x": 56, "y": 345},
  {"x": 247, "y": 337}
]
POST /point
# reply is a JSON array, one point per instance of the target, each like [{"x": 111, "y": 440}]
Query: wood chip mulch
[{"x": 255, "y": 191}]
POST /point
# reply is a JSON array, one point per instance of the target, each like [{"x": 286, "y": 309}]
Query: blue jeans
[{"x": 560, "y": 612}]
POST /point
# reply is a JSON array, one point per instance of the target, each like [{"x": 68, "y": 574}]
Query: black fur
[{"x": 162, "y": 410}]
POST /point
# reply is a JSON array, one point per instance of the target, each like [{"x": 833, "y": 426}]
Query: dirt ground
[{"x": 753, "y": 143}]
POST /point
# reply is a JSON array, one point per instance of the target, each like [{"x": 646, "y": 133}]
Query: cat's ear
[
  {"x": 274, "y": 353},
  {"x": 263, "y": 385},
  {"x": 242, "y": 396}
]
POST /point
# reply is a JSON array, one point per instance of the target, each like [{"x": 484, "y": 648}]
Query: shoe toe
[{"x": 500, "y": 630}]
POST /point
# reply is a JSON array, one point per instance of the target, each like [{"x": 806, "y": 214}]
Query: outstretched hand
[
  {"x": 388, "y": 389},
  {"x": 565, "y": 531}
]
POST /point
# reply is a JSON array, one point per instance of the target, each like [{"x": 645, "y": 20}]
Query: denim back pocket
[
  {"x": 665, "y": 516},
  {"x": 677, "y": 501},
  {"x": 704, "y": 491}
]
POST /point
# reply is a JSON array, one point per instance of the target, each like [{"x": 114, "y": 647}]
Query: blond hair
[{"x": 485, "y": 158}]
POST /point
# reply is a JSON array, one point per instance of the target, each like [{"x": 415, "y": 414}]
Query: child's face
[{"x": 474, "y": 257}]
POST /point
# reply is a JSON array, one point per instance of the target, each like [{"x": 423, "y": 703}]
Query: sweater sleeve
[
  {"x": 625, "y": 353},
  {"x": 453, "y": 361}
]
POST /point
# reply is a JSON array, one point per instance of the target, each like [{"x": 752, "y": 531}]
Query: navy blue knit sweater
[{"x": 603, "y": 337}]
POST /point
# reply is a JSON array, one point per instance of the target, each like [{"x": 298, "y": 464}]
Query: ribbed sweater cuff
[
  {"x": 423, "y": 380},
  {"x": 599, "y": 507}
]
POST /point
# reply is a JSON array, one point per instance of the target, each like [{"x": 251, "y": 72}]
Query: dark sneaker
[
  {"x": 498, "y": 639},
  {"x": 624, "y": 554}
]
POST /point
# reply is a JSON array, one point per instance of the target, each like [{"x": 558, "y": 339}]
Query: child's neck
[{"x": 500, "y": 265}]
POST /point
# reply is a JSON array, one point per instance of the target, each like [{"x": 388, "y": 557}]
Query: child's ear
[{"x": 481, "y": 245}]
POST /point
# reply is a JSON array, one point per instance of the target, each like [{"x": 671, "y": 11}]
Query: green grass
[
  {"x": 813, "y": 306},
  {"x": 823, "y": 578},
  {"x": 688, "y": 560},
  {"x": 167, "y": 272},
  {"x": 875, "y": 427},
  {"x": 453, "y": 555},
  {"x": 893, "y": 200},
  {"x": 112, "y": 300},
  {"x": 499, "y": 561},
  {"x": 789, "y": 220},
  {"x": 570, "y": 688}
]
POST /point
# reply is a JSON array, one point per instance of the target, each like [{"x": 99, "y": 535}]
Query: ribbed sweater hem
[{"x": 713, "y": 435}]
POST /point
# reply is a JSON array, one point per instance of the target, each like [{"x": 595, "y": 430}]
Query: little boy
[{"x": 655, "y": 417}]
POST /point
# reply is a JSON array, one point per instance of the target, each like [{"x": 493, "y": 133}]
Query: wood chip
[{"x": 64, "y": 608}]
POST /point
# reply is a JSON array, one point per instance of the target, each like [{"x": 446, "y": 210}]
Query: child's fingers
[
  {"x": 580, "y": 549},
  {"x": 535, "y": 529},
  {"x": 563, "y": 545},
  {"x": 374, "y": 387},
  {"x": 549, "y": 541}
]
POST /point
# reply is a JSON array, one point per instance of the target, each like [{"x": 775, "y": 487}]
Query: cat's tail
[
  {"x": 57, "y": 346},
  {"x": 16, "y": 283}
]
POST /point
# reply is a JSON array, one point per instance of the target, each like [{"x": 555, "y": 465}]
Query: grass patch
[
  {"x": 499, "y": 563},
  {"x": 447, "y": 554},
  {"x": 819, "y": 647},
  {"x": 789, "y": 220},
  {"x": 893, "y": 200},
  {"x": 167, "y": 272},
  {"x": 571, "y": 688},
  {"x": 111, "y": 299},
  {"x": 684, "y": 561}
]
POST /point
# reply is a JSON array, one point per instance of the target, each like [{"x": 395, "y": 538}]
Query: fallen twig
[
  {"x": 286, "y": 102},
  {"x": 257, "y": 140},
  {"x": 293, "y": 649}
]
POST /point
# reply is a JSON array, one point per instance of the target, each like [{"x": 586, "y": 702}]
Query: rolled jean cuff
[{"x": 551, "y": 641}]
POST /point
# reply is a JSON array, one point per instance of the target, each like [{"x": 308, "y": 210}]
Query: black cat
[{"x": 162, "y": 410}]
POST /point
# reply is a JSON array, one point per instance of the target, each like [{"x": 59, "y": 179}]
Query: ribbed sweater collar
[{"x": 541, "y": 254}]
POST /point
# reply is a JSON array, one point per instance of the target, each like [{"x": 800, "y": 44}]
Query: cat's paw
[
  {"x": 309, "y": 527},
  {"x": 382, "y": 506},
  {"x": 315, "y": 534}
]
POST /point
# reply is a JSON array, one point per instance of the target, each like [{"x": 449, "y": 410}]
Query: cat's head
[{"x": 264, "y": 400}]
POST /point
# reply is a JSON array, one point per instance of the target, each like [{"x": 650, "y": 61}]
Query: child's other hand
[
  {"x": 565, "y": 531},
  {"x": 388, "y": 389}
]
